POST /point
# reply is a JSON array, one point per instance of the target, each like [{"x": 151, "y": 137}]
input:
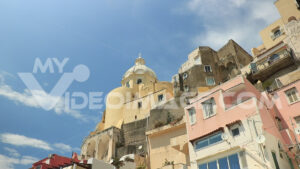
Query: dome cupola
[{"x": 139, "y": 69}]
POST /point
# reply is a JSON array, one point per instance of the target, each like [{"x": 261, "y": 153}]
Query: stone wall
[
  {"x": 226, "y": 64},
  {"x": 134, "y": 138},
  {"x": 171, "y": 112}
]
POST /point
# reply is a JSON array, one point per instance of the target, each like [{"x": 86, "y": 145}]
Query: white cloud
[
  {"x": 63, "y": 147},
  {"x": 24, "y": 141},
  {"x": 12, "y": 152},
  {"x": 239, "y": 20},
  {"x": 9, "y": 162},
  {"x": 30, "y": 99},
  {"x": 25, "y": 160},
  {"x": 20, "y": 140}
]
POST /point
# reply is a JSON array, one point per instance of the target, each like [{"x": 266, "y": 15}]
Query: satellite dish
[
  {"x": 224, "y": 137},
  {"x": 297, "y": 130},
  {"x": 260, "y": 139}
]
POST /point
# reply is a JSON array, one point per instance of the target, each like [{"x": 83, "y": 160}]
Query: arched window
[{"x": 139, "y": 81}]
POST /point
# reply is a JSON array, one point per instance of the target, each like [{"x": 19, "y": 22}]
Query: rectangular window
[
  {"x": 212, "y": 139},
  {"x": 210, "y": 81},
  {"x": 192, "y": 115},
  {"x": 229, "y": 162},
  {"x": 139, "y": 105},
  {"x": 160, "y": 97},
  {"x": 208, "y": 108},
  {"x": 292, "y": 95},
  {"x": 207, "y": 68}
]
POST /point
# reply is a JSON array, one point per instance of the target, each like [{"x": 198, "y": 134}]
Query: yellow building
[
  {"x": 124, "y": 122},
  {"x": 275, "y": 33},
  {"x": 140, "y": 91},
  {"x": 280, "y": 52}
]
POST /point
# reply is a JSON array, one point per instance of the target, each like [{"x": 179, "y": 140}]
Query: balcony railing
[{"x": 267, "y": 66}]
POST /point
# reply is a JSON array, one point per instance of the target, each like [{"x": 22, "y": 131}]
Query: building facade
[{"x": 232, "y": 126}]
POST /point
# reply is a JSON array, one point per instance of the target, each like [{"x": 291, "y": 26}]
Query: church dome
[{"x": 139, "y": 68}]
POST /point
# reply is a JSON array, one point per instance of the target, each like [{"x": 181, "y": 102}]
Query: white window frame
[
  {"x": 213, "y": 108},
  {"x": 192, "y": 116},
  {"x": 210, "y": 69},
  {"x": 291, "y": 90}
]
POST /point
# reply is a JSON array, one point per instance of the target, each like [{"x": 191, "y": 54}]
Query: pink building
[
  {"x": 287, "y": 101},
  {"x": 234, "y": 126}
]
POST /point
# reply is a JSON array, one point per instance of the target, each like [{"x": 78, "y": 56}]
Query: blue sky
[{"x": 106, "y": 36}]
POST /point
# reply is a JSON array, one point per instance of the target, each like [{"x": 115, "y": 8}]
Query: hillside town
[{"x": 223, "y": 109}]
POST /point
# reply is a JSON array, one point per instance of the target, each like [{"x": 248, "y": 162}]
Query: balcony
[{"x": 267, "y": 66}]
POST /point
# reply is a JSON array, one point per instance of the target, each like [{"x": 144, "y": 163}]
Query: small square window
[
  {"x": 160, "y": 97},
  {"x": 235, "y": 131},
  {"x": 207, "y": 68},
  {"x": 139, "y": 105},
  {"x": 292, "y": 95}
]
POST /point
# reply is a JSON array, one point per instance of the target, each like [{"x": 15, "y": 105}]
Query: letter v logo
[{"x": 80, "y": 73}]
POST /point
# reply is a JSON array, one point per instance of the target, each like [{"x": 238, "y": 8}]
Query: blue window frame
[
  {"x": 229, "y": 162},
  {"x": 212, "y": 139}
]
